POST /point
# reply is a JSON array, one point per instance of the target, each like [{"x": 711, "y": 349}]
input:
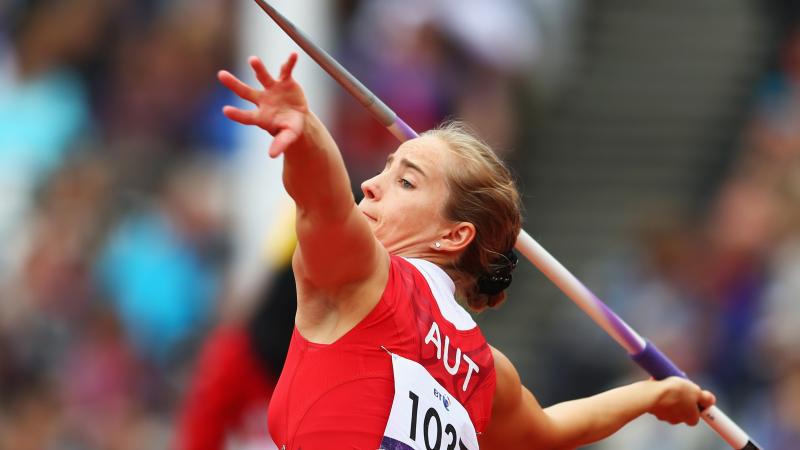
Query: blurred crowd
[
  {"x": 116, "y": 228},
  {"x": 112, "y": 220}
]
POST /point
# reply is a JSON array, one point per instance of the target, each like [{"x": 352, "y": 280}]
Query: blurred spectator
[
  {"x": 161, "y": 83},
  {"x": 160, "y": 265},
  {"x": 236, "y": 373},
  {"x": 98, "y": 376},
  {"x": 66, "y": 232},
  {"x": 31, "y": 419}
]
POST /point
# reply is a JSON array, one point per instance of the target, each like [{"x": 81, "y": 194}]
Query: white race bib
[{"x": 424, "y": 416}]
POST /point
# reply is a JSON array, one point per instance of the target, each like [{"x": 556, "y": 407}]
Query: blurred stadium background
[{"x": 657, "y": 145}]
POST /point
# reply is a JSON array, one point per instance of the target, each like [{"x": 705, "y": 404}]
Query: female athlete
[{"x": 382, "y": 355}]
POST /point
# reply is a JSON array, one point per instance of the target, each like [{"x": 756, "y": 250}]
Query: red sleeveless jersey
[{"x": 338, "y": 396}]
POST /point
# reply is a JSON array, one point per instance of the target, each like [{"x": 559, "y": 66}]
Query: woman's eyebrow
[
  {"x": 411, "y": 165},
  {"x": 405, "y": 162}
]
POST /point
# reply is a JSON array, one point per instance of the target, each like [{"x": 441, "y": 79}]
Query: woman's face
[{"x": 404, "y": 203}]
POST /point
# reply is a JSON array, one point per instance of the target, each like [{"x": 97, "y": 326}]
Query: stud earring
[{"x": 437, "y": 245}]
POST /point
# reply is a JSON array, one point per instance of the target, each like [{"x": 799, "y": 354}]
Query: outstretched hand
[{"x": 281, "y": 105}]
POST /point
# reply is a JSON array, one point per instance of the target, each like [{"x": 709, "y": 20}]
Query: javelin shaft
[{"x": 643, "y": 352}]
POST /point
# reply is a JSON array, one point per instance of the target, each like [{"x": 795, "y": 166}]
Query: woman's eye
[{"x": 406, "y": 184}]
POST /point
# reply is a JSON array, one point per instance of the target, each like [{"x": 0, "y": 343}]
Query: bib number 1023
[{"x": 432, "y": 436}]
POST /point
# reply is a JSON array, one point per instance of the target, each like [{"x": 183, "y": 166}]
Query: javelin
[{"x": 641, "y": 351}]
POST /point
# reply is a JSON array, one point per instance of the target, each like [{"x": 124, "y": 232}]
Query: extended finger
[
  {"x": 237, "y": 86},
  {"x": 240, "y": 115},
  {"x": 287, "y": 67},
  {"x": 262, "y": 74}
]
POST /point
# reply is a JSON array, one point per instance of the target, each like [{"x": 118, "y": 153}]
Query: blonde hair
[{"x": 483, "y": 193}]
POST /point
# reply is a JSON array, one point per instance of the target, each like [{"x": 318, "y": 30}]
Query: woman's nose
[{"x": 371, "y": 189}]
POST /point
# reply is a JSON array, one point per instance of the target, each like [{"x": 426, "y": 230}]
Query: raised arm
[
  {"x": 335, "y": 244},
  {"x": 519, "y": 422}
]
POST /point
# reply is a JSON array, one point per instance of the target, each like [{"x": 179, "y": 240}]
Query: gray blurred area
[{"x": 657, "y": 145}]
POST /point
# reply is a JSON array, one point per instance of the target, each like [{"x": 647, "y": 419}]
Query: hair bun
[{"x": 497, "y": 280}]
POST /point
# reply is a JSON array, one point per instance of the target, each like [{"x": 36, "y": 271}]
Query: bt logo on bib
[{"x": 443, "y": 397}]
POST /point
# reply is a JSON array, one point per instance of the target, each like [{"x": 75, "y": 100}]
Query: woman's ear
[{"x": 458, "y": 237}]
